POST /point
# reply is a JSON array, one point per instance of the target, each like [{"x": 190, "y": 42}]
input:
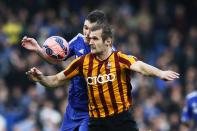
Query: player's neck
[{"x": 104, "y": 55}]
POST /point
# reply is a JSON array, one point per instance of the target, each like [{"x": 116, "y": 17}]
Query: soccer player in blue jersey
[
  {"x": 189, "y": 114},
  {"x": 76, "y": 116}
]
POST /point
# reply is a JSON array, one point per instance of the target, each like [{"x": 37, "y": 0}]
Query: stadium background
[{"x": 162, "y": 33}]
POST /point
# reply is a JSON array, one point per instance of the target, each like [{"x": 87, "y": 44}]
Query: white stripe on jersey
[
  {"x": 192, "y": 94},
  {"x": 113, "y": 48}
]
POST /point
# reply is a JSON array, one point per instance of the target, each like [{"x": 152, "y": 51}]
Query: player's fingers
[
  {"x": 36, "y": 71},
  {"x": 23, "y": 40},
  {"x": 25, "y": 37},
  {"x": 32, "y": 69},
  {"x": 29, "y": 74},
  {"x": 23, "y": 43},
  {"x": 174, "y": 76},
  {"x": 175, "y": 73},
  {"x": 29, "y": 39},
  {"x": 169, "y": 78}
]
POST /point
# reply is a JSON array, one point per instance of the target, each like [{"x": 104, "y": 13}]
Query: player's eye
[
  {"x": 85, "y": 27},
  {"x": 94, "y": 38}
]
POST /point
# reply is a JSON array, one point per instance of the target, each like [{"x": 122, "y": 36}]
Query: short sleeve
[
  {"x": 73, "y": 68},
  {"x": 127, "y": 60}
]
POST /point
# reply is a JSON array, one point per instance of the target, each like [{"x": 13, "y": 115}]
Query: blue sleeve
[
  {"x": 72, "y": 44},
  {"x": 186, "y": 113},
  {"x": 113, "y": 48}
]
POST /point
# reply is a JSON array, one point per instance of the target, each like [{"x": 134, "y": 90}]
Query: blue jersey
[
  {"x": 190, "y": 109},
  {"x": 78, "y": 98}
]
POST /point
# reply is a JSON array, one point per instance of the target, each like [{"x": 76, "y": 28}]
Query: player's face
[
  {"x": 86, "y": 30},
  {"x": 97, "y": 45}
]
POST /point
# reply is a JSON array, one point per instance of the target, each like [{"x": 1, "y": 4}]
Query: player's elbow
[{"x": 140, "y": 67}]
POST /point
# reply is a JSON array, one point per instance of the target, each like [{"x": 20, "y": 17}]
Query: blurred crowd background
[{"x": 159, "y": 32}]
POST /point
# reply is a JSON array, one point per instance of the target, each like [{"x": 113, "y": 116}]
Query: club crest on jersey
[
  {"x": 81, "y": 51},
  {"x": 108, "y": 65}
]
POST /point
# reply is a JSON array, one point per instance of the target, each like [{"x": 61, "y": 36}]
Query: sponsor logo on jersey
[{"x": 101, "y": 79}]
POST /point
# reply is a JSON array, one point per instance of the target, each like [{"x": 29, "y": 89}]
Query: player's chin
[{"x": 93, "y": 51}]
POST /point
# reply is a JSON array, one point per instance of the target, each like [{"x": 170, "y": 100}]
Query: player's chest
[{"x": 95, "y": 68}]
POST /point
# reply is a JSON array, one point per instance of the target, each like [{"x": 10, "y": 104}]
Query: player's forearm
[
  {"x": 149, "y": 70},
  {"x": 43, "y": 55},
  {"x": 50, "y": 81}
]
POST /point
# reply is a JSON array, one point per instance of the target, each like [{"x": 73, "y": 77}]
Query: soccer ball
[{"x": 56, "y": 48}]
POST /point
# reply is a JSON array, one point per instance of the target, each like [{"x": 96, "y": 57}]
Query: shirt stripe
[
  {"x": 74, "y": 69},
  {"x": 111, "y": 91},
  {"x": 90, "y": 70},
  {"x": 101, "y": 93},
  {"x": 118, "y": 72}
]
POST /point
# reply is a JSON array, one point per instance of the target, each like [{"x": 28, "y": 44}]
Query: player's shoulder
[
  {"x": 119, "y": 53},
  {"x": 124, "y": 55},
  {"x": 77, "y": 38},
  {"x": 192, "y": 95},
  {"x": 88, "y": 55}
]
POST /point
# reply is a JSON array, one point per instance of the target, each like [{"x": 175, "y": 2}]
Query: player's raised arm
[
  {"x": 48, "y": 81},
  {"x": 32, "y": 45},
  {"x": 59, "y": 79},
  {"x": 147, "y": 69}
]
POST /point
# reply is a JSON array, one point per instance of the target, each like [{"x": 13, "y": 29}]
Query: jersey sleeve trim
[
  {"x": 127, "y": 60},
  {"x": 75, "y": 38},
  {"x": 74, "y": 66}
]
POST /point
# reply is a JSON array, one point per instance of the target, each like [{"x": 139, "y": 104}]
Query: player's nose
[{"x": 91, "y": 42}]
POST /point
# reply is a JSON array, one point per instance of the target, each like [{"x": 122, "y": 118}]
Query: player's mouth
[{"x": 92, "y": 47}]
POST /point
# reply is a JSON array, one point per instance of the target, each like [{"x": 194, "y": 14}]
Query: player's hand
[
  {"x": 34, "y": 74},
  {"x": 30, "y": 44},
  {"x": 169, "y": 75}
]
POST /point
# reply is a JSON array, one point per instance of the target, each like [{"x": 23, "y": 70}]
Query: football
[{"x": 56, "y": 48}]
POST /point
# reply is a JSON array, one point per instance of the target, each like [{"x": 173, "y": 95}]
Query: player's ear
[{"x": 108, "y": 41}]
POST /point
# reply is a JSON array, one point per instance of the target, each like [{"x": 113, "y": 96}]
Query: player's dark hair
[
  {"x": 107, "y": 31},
  {"x": 97, "y": 16}
]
